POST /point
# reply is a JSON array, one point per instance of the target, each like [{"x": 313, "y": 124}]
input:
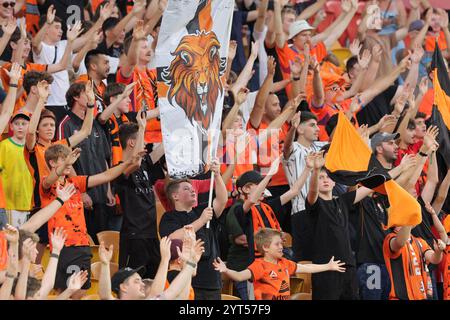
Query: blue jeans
[
  {"x": 241, "y": 288},
  {"x": 433, "y": 269},
  {"x": 374, "y": 282}
]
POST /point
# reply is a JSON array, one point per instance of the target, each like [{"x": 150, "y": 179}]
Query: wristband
[
  {"x": 90, "y": 106},
  {"x": 192, "y": 264},
  {"x": 54, "y": 255},
  {"x": 12, "y": 85},
  {"x": 296, "y": 78},
  {"x": 423, "y": 154},
  {"x": 60, "y": 200},
  {"x": 11, "y": 276}
]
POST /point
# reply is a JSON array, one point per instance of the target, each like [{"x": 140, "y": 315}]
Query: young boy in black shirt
[
  {"x": 139, "y": 244},
  {"x": 207, "y": 284},
  {"x": 331, "y": 233}
]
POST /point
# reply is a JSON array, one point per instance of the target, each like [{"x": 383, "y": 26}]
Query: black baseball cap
[
  {"x": 380, "y": 137},
  {"x": 248, "y": 177},
  {"x": 123, "y": 274}
]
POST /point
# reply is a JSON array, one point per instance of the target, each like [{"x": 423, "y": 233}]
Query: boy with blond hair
[{"x": 270, "y": 275}]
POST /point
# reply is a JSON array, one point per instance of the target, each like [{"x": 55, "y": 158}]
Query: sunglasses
[{"x": 8, "y": 4}]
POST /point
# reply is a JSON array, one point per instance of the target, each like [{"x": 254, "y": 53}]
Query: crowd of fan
[{"x": 82, "y": 152}]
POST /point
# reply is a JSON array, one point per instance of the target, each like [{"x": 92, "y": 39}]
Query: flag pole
[{"x": 211, "y": 185}]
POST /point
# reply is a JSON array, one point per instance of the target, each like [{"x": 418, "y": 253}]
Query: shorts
[
  {"x": 134, "y": 253},
  {"x": 17, "y": 218},
  {"x": 71, "y": 260}
]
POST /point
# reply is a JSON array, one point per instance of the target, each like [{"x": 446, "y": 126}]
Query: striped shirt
[{"x": 294, "y": 166}]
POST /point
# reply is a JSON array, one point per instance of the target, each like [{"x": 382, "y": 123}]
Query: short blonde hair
[
  {"x": 56, "y": 151},
  {"x": 264, "y": 237}
]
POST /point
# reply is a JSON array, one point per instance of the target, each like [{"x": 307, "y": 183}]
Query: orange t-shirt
[
  {"x": 270, "y": 150},
  {"x": 144, "y": 95},
  {"x": 35, "y": 160},
  {"x": 70, "y": 216},
  {"x": 430, "y": 42},
  {"x": 272, "y": 281},
  {"x": 244, "y": 160},
  {"x": 426, "y": 106},
  {"x": 288, "y": 53},
  {"x": 406, "y": 269},
  {"x": 5, "y": 79}
]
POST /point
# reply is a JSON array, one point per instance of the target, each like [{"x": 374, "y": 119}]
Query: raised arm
[
  {"x": 36, "y": 43},
  {"x": 238, "y": 276},
  {"x": 432, "y": 179},
  {"x": 86, "y": 128},
  {"x": 42, "y": 216},
  {"x": 261, "y": 98},
  {"x": 318, "y": 98},
  {"x": 185, "y": 276},
  {"x": 66, "y": 59},
  {"x": 12, "y": 236},
  {"x": 90, "y": 44},
  {"x": 9, "y": 102},
  {"x": 262, "y": 10},
  {"x": 383, "y": 83},
  {"x": 131, "y": 59},
  {"x": 8, "y": 30},
  {"x": 280, "y": 37},
  {"x": 288, "y": 113},
  {"x": 28, "y": 255},
  {"x": 420, "y": 38},
  {"x": 287, "y": 148},
  {"x": 254, "y": 197},
  {"x": 104, "y": 283},
  {"x": 311, "y": 10},
  {"x": 139, "y": 143},
  {"x": 241, "y": 96},
  {"x": 58, "y": 238},
  {"x": 319, "y": 162},
  {"x": 372, "y": 70},
  {"x": 442, "y": 193},
  {"x": 332, "y": 265},
  {"x": 221, "y": 199},
  {"x": 335, "y": 30},
  {"x": 299, "y": 183},
  {"x": 436, "y": 222},
  {"x": 59, "y": 171},
  {"x": 31, "y": 137},
  {"x": 161, "y": 275},
  {"x": 246, "y": 73},
  {"x": 398, "y": 242}
]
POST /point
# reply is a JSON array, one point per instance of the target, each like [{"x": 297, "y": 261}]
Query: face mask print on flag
[{"x": 191, "y": 62}]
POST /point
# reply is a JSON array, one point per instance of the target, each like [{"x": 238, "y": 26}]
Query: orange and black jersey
[
  {"x": 407, "y": 269},
  {"x": 35, "y": 160},
  {"x": 272, "y": 281}
]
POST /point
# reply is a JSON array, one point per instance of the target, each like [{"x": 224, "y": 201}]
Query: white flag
[{"x": 191, "y": 60}]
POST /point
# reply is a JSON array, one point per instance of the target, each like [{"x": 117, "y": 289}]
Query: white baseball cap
[{"x": 297, "y": 27}]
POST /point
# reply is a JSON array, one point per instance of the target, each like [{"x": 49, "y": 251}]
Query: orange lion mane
[{"x": 196, "y": 62}]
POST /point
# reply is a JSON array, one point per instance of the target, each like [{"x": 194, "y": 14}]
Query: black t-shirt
[
  {"x": 331, "y": 234},
  {"x": 423, "y": 230},
  {"x": 377, "y": 108},
  {"x": 112, "y": 51},
  {"x": 138, "y": 202},
  {"x": 246, "y": 222},
  {"x": 371, "y": 217},
  {"x": 207, "y": 277}
]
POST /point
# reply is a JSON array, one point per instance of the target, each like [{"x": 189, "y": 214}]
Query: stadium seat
[
  {"x": 296, "y": 284},
  {"x": 96, "y": 267},
  {"x": 301, "y": 296},
  {"x": 45, "y": 257},
  {"x": 288, "y": 242},
  {"x": 227, "y": 284},
  {"x": 343, "y": 54},
  {"x": 229, "y": 297},
  {"x": 111, "y": 238},
  {"x": 306, "y": 278}
]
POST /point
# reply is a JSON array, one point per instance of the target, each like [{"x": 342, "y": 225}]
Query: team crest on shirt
[{"x": 273, "y": 275}]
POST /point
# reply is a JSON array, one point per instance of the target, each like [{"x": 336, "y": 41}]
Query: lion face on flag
[{"x": 194, "y": 76}]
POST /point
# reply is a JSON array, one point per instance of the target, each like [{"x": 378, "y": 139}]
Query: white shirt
[
  {"x": 294, "y": 166},
  {"x": 247, "y": 107},
  {"x": 51, "y": 55}
]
